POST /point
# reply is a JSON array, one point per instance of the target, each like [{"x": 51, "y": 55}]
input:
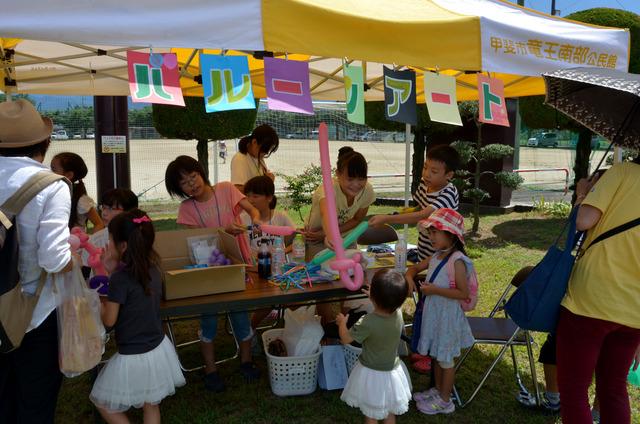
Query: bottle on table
[
  {"x": 297, "y": 249},
  {"x": 278, "y": 258},
  {"x": 264, "y": 259},
  {"x": 401, "y": 254}
]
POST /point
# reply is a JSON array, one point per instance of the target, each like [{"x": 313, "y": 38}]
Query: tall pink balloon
[
  {"x": 277, "y": 230},
  {"x": 341, "y": 263}
]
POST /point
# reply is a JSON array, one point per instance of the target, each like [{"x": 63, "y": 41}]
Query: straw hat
[
  {"x": 21, "y": 125},
  {"x": 445, "y": 219}
]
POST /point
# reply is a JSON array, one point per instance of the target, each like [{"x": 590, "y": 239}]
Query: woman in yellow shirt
[{"x": 599, "y": 327}]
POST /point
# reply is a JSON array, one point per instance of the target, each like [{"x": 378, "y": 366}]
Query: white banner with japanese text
[{"x": 527, "y": 42}]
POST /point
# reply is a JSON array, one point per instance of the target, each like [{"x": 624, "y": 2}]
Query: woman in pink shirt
[{"x": 218, "y": 206}]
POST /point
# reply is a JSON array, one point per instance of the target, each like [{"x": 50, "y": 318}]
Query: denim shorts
[{"x": 239, "y": 323}]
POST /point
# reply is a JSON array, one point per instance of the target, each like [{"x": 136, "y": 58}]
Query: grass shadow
[{"x": 529, "y": 233}]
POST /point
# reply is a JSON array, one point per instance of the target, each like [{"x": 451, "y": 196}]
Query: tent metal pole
[
  {"x": 215, "y": 162},
  {"x": 407, "y": 171}
]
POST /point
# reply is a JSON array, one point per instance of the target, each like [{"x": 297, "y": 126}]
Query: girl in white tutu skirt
[
  {"x": 145, "y": 369},
  {"x": 379, "y": 384}
]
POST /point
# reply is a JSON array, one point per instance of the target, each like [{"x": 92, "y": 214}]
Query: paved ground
[{"x": 149, "y": 159}]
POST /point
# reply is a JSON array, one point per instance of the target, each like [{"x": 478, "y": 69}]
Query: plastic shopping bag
[
  {"x": 81, "y": 334},
  {"x": 302, "y": 331},
  {"x": 332, "y": 368}
]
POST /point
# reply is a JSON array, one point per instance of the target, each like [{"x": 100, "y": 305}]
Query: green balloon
[{"x": 351, "y": 238}]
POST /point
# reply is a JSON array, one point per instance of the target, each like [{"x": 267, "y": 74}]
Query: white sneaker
[
  {"x": 426, "y": 395},
  {"x": 436, "y": 405}
]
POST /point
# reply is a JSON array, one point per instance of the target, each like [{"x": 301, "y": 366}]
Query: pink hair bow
[{"x": 141, "y": 219}]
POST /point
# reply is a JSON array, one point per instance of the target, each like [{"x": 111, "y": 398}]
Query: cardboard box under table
[{"x": 179, "y": 283}]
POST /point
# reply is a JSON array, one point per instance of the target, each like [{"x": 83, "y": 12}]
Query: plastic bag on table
[
  {"x": 81, "y": 334},
  {"x": 302, "y": 331}
]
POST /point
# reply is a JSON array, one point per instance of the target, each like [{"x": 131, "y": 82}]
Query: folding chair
[
  {"x": 375, "y": 235},
  {"x": 501, "y": 331},
  {"x": 170, "y": 334}
]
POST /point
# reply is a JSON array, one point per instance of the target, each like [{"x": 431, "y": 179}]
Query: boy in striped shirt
[{"x": 435, "y": 191}]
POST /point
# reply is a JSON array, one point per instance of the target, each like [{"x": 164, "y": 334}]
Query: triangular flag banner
[
  {"x": 440, "y": 95},
  {"x": 226, "y": 83},
  {"x": 287, "y": 83},
  {"x": 354, "y": 93},
  {"x": 400, "y": 96},
  {"x": 493, "y": 108},
  {"x": 154, "y": 78}
]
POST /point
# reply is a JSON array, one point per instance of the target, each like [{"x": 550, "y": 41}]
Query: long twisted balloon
[{"x": 341, "y": 263}]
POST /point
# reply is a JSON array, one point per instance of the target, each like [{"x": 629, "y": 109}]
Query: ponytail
[
  {"x": 136, "y": 229},
  {"x": 71, "y": 162}
]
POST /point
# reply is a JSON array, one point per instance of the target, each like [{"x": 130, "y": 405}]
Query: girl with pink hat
[{"x": 444, "y": 329}]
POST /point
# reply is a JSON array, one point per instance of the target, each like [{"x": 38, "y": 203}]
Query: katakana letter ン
[
  {"x": 496, "y": 44},
  {"x": 565, "y": 52},
  {"x": 509, "y": 46},
  {"x": 612, "y": 61},
  {"x": 148, "y": 84},
  {"x": 535, "y": 47},
  {"x": 602, "y": 60},
  {"x": 580, "y": 54},
  {"x": 552, "y": 53},
  {"x": 521, "y": 47}
]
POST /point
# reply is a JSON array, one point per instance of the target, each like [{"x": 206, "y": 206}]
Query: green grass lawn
[{"x": 506, "y": 244}]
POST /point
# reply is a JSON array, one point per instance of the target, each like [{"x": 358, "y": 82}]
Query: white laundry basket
[
  {"x": 290, "y": 375},
  {"x": 351, "y": 355}
]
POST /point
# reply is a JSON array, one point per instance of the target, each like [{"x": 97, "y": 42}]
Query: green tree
[
  {"x": 193, "y": 122},
  {"x": 3, "y": 97},
  {"x": 468, "y": 183},
  {"x": 537, "y": 115}
]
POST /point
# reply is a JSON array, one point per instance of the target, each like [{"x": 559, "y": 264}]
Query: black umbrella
[{"x": 606, "y": 101}]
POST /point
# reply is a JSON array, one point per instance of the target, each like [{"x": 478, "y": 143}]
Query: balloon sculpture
[
  {"x": 342, "y": 263},
  {"x": 80, "y": 240},
  {"x": 277, "y": 230}
]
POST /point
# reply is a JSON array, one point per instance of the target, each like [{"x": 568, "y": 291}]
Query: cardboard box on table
[{"x": 173, "y": 249}]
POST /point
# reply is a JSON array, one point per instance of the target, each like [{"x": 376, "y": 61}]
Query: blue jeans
[{"x": 239, "y": 322}]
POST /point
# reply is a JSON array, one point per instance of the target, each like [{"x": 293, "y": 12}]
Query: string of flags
[{"x": 226, "y": 82}]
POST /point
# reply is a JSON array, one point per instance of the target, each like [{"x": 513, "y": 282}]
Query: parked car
[
  {"x": 60, "y": 135},
  {"x": 548, "y": 140},
  {"x": 91, "y": 136},
  {"x": 532, "y": 142},
  {"x": 369, "y": 136},
  {"x": 77, "y": 136},
  {"x": 296, "y": 136}
]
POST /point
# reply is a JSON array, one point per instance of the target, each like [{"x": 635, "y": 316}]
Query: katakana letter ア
[{"x": 401, "y": 92}]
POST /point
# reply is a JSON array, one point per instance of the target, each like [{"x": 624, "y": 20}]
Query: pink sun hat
[{"x": 445, "y": 219}]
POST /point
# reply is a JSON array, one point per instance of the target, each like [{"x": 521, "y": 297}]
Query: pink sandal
[
  {"x": 415, "y": 357},
  {"x": 422, "y": 366}
]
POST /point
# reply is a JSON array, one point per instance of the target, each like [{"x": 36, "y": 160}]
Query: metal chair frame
[{"x": 518, "y": 337}]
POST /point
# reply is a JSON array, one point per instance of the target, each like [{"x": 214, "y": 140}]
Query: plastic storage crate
[
  {"x": 290, "y": 375},
  {"x": 351, "y": 355}
]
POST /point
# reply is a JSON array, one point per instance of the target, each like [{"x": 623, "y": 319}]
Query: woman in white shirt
[{"x": 252, "y": 150}]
